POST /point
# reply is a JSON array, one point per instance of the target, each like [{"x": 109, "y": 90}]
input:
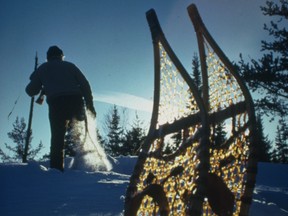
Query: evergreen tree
[
  {"x": 273, "y": 157},
  {"x": 133, "y": 138},
  {"x": 196, "y": 74},
  {"x": 269, "y": 75},
  {"x": 18, "y": 136},
  {"x": 114, "y": 140},
  {"x": 70, "y": 141},
  {"x": 281, "y": 142},
  {"x": 264, "y": 145},
  {"x": 218, "y": 134}
]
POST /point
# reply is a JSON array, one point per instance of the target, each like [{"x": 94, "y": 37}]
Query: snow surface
[{"x": 34, "y": 190}]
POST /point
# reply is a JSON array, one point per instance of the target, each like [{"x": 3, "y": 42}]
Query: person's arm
[
  {"x": 86, "y": 91},
  {"x": 35, "y": 85}
]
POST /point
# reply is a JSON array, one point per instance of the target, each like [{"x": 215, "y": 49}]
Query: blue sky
[{"x": 110, "y": 42}]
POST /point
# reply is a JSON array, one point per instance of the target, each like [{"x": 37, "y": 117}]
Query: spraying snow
[{"x": 90, "y": 156}]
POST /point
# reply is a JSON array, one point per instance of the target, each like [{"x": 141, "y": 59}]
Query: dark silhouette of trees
[
  {"x": 218, "y": 134},
  {"x": 281, "y": 143},
  {"x": 18, "y": 136},
  {"x": 133, "y": 138},
  {"x": 264, "y": 145},
  {"x": 196, "y": 74},
  {"x": 120, "y": 141},
  {"x": 114, "y": 141},
  {"x": 268, "y": 76},
  {"x": 70, "y": 140}
]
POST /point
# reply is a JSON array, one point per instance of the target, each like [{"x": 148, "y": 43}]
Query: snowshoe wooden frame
[{"x": 198, "y": 174}]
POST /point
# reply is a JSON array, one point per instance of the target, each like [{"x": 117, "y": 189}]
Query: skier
[{"x": 67, "y": 92}]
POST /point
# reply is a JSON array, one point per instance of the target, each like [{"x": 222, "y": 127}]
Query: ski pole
[{"x": 29, "y": 131}]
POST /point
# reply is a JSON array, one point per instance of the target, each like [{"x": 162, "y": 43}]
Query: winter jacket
[{"x": 59, "y": 78}]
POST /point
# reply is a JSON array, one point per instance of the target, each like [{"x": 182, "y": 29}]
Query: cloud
[{"x": 124, "y": 100}]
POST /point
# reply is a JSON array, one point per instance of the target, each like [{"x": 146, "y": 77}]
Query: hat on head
[{"x": 54, "y": 51}]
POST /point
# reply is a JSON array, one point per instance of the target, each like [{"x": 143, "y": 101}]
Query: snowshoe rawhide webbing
[{"x": 199, "y": 172}]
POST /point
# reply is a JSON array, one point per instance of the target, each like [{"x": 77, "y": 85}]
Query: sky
[{"x": 110, "y": 41}]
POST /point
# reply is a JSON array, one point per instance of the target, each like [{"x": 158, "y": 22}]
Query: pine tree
[
  {"x": 196, "y": 75},
  {"x": 18, "y": 136},
  {"x": 114, "y": 140},
  {"x": 133, "y": 138},
  {"x": 264, "y": 145},
  {"x": 273, "y": 157},
  {"x": 218, "y": 134},
  {"x": 281, "y": 142},
  {"x": 70, "y": 141},
  {"x": 268, "y": 76}
]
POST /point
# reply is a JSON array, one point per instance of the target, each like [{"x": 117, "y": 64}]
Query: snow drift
[{"x": 33, "y": 189}]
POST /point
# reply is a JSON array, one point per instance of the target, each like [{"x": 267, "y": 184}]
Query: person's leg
[
  {"x": 58, "y": 130},
  {"x": 57, "y": 145},
  {"x": 62, "y": 110}
]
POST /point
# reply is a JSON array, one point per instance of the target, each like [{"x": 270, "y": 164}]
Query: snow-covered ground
[{"x": 35, "y": 190}]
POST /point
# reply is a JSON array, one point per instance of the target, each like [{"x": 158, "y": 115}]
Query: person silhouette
[{"x": 68, "y": 93}]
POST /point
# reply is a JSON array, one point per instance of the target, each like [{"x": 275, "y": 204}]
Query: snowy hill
[{"x": 33, "y": 189}]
